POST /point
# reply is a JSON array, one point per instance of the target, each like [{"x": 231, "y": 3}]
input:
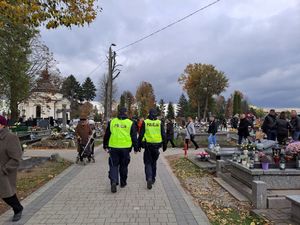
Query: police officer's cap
[
  {"x": 122, "y": 111},
  {"x": 153, "y": 112}
]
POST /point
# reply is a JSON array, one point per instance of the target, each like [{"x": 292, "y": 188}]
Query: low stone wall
[
  {"x": 30, "y": 162},
  {"x": 274, "y": 178},
  {"x": 222, "y": 137},
  {"x": 224, "y": 153},
  {"x": 54, "y": 144},
  {"x": 257, "y": 184},
  {"x": 295, "y": 200}
]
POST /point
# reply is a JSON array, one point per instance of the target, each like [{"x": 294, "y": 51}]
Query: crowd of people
[
  {"x": 279, "y": 127},
  {"x": 123, "y": 134},
  {"x": 274, "y": 127}
]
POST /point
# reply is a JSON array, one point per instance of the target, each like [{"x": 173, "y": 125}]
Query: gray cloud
[{"x": 256, "y": 43}]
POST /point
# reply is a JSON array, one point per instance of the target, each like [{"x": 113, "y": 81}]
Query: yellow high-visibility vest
[
  {"x": 152, "y": 131},
  {"x": 120, "y": 133}
]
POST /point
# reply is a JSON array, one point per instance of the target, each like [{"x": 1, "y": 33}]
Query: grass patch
[
  {"x": 29, "y": 181},
  {"x": 220, "y": 207}
]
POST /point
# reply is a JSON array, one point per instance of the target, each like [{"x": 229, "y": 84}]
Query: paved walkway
[{"x": 81, "y": 195}]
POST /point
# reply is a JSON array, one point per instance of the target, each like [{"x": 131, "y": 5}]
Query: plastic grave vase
[{"x": 265, "y": 165}]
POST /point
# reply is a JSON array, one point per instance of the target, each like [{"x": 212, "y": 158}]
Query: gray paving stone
[{"x": 82, "y": 196}]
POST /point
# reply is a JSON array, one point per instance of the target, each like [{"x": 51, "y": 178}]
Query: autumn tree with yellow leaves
[
  {"x": 202, "y": 82},
  {"x": 145, "y": 98},
  {"x": 51, "y": 13}
]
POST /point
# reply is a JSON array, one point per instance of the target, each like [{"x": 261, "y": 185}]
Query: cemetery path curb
[{"x": 198, "y": 214}]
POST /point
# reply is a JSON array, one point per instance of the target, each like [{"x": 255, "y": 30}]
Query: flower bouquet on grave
[
  {"x": 203, "y": 156},
  {"x": 243, "y": 148},
  {"x": 293, "y": 148},
  {"x": 252, "y": 147},
  {"x": 265, "y": 161}
]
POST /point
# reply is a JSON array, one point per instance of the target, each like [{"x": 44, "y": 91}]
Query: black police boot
[
  {"x": 153, "y": 181},
  {"x": 113, "y": 188},
  {"x": 123, "y": 184},
  {"x": 149, "y": 184}
]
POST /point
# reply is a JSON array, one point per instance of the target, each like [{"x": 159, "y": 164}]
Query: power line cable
[
  {"x": 96, "y": 68},
  {"x": 156, "y": 32},
  {"x": 168, "y": 26}
]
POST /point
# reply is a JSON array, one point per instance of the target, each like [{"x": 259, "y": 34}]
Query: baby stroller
[{"x": 85, "y": 153}]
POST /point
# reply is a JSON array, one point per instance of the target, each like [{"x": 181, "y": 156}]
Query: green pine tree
[
  {"x": 122, "y": 102},
  {"x": 183, "y": 107},
  {"x": 171, "y": 112},
  {"x": 237, "y": 102},
  {"x": 88, "y": 90},
  {"x": 71, "y": 88},
  {"x": 161, "y": 108}
]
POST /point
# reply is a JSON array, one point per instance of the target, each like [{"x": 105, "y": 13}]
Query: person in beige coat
[{"x": 10, "y": 157}]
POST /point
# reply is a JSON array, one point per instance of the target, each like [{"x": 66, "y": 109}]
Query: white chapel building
[{"x": 45, "y": 101}]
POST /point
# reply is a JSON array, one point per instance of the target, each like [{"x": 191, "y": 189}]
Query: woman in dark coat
[
  {"x": 283, "y": 127},
  {"x": 170, "y": 133},
  {"x": 10, "y": 157},
  {"x": 243, "y": 129}
]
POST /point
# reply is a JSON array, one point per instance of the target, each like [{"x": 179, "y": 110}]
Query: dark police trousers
[
  {"x": 118, "y": 164},
  {"x": 151, "y": 155}
]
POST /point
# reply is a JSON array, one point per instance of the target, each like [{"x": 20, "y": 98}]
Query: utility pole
[{"x": 109, "y": 84}]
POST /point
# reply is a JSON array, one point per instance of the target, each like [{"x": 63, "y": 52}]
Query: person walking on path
[
  {"x": 234, "y": 121},
  {"x": 295, "y": 121},
  {"x": 170, "y": 133},
  {"x": 120, "y": 136},
  {"x": 269, "y": 125},
  {"x": 83, "y": 132},
  {"x": 243, "y": 129},
  {"x": 10, "y": 157},
  {"x": 224, "y": 124},
  {"x": 283, "y": 128},
  {"x": 212, "y": 131},
  {"x": 190, "y": 133},
  {"x": 139, "y": 124},
  {"x": 152, "y": 137}
]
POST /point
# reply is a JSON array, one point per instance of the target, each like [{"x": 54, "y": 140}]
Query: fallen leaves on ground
[
  {"x": 220, "y": 207},
  {"x": 30, "y": 180}
]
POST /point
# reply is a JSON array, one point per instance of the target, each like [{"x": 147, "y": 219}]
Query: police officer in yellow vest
[
  {"x": 119, "y": 138},
  {"x": 152, "y": 137}
]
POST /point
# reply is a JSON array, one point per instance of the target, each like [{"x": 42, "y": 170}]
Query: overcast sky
[{"x": 255, "y": 43}]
